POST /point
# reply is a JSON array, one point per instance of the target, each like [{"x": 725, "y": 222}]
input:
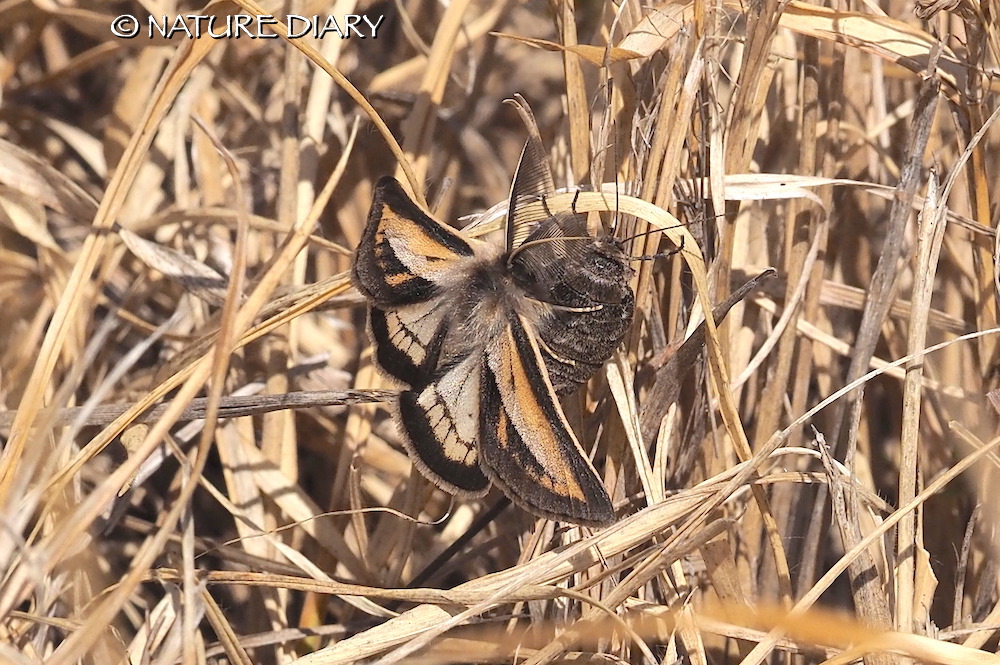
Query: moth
[{"x": 487, "y": 336}]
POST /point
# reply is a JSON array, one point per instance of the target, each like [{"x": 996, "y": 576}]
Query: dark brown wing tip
[
  {"x": 389, "y": 191},
  {"x": 388, "y": 187},
  {"x": 596, "y": 512},
  {"x": 600, "y": 514},
  {"x": 609, "y": 517}
]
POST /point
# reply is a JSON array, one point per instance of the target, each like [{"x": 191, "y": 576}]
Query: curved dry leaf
[
  {"x": 154, "y": 631},
  {"x": 26, "y": 216},
  {"x": 690, "y": 635},
  {"x": 925, "y": 9},
  {"x": 925, "y": 584},
  {"x": 657, "y": 28},
  {"x": 781, "y": 186},
  {"x": 197, "y": 278},
  {"x": 547, "y": 568},
  {"x": 620, "y": 379},
  {"x": 83, "y": 144},
  {"x": 25, "y": 172},
  {"x": 775, "y": 186},
  {"x": 595, "y": 55},
  {"x": 888, "y": 38}
]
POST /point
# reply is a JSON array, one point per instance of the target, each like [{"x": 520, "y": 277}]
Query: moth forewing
[
  {"x": 404, "y": 255},
  {"x": 526, "y": 444},
  {"x": 404, "y": 265}
]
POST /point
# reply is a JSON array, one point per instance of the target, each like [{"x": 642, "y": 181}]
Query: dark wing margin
[
  {"x": 403, "y": 253},
  {"x": 440, "y": 422},
  {"x": 408, "y": 340},
  {"x": 526, "y": 444},
  {"x": 400, "y": 266},
  {"x": 402, "y": 259}
]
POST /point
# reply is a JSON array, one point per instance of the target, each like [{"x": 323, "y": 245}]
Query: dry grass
[{"x": 198, "y": 463}]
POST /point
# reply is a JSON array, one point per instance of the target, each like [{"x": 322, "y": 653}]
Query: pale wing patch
[
  {"x": 412, "y": 329},
  {"x": 441, "y": 422},
  {"x": 452, "y": 407},
  {"x": 420, "y": 253}
]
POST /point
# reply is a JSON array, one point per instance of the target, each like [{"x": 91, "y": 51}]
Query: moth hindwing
[{"x": 486, "y": 336}]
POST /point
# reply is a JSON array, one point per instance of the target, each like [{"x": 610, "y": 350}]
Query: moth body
[{"x": 481, "y": 301}]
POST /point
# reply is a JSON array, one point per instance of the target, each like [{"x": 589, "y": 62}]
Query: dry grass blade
[
  {"x": 930, "y": 235},
  {"x": 27, "y": 173},
  {"x": 74, "y": 301}
]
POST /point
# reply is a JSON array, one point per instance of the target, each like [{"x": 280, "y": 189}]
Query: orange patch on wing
[
  {"x": 415, "y": 236},
  {"x": 399, "y": 278},
  {"x": 533, "y": 423}
]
